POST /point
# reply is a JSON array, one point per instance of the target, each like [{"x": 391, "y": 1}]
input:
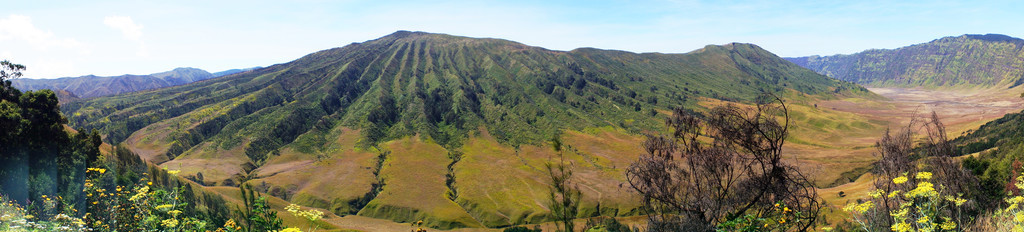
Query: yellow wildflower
[
  {"x": 292, "y": 208},
  {"x": 902, "y": 212},
  {"x": 311, "y": 215},
  {"x": 956, "y": 200},
  {"x": 853, "y": 207},
  {"x": 900, "y": 180},
  {"x": 948, "y": 225},
  {"x": 174, "y": 212},
  {"x": 164, "y": 206},
  {"x": 923, "y": 220},
  {"x": 864, "y": 207},
  {"x": 137, "y": 196},
  {"x": 293, "y": 229},
  {"x": 876, "y": 194},
  {"x": 174, "y": 172},
  {"x": 924, "y": 175},
  {"x": 170, "y": 223},
  {"x": 1015, "y": 200},
  {"x": 1020, "y": 182},
  {"x": 902, "y": 227},
  {"x": 924, "y": 189}
]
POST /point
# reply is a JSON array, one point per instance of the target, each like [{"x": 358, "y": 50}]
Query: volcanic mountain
[
  {"x": 450, "y": 130},
  {"x": 990, "y": 60}
]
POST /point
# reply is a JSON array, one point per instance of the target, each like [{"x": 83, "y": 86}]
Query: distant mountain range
[
  {"x": 95, "y": 86},
  {"x": 233, "y": 71},
  {"x": 446, "y": 129},
  {"x": 989, "y": 60}
]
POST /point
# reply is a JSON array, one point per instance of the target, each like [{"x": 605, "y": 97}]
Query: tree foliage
[
  {"x": 257, "y": 215},
  {"x": 38, "y": 157},
  {"x": 564, "y": 196},
  {"x": 10, "y": 70}
]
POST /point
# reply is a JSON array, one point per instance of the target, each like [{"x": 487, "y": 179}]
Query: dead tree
[
  {"x": 898, "y": 156},
  {"x": 720, "y": 166}
]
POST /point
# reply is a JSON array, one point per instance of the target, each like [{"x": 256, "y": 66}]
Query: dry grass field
[{"x": 500, "y": 185}]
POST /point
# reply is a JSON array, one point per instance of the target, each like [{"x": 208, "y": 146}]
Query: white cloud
[
  {"x": 50, "y": 68},
  {"x": 19, "y": 28},
  {"x": 130, "y": 30},
  {"x": 126, "y": 25}
]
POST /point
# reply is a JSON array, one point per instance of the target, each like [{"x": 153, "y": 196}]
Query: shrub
[
  {"x": 687, "y": 183},
  {"x": 1010, "y": 218},
  {"x": 779, "y": 218},
  {"x": 110, "y": 207},
  {"x": 521, "y": 229},
  {"x": 921, "y": 206},
  {"x": 605, "y": 224}
]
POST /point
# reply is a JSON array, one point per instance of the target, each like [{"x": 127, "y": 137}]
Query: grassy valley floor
[{"x": 499, "y": 185}]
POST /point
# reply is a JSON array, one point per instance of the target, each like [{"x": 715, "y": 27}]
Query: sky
[{"x": 74, "y": 38}]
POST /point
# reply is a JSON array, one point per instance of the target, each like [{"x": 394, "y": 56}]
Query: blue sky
[{"x": 73, "y": 38}]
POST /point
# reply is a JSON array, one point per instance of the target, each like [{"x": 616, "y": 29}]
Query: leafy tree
[
  {"x": 44, "y": 167},
  {"x": 38, "y": 157},
  {"x": 257, "y": 215},
  {"x": 565, "y": 194},
  {"x": 10, "y": 70}
]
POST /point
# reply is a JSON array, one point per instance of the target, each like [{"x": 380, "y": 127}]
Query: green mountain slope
[
  {"x": 994, "y": 151},
  {"x": 527, "y": 91},
  {"x": 415, "y": 126},
  {"x": 969, "y": 60},
  {"x": 233, "y": 71},
  {"x": 96, "y": 86}
]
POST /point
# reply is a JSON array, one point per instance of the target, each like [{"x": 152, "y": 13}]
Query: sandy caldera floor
[{"x": 959, "y": 110}]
